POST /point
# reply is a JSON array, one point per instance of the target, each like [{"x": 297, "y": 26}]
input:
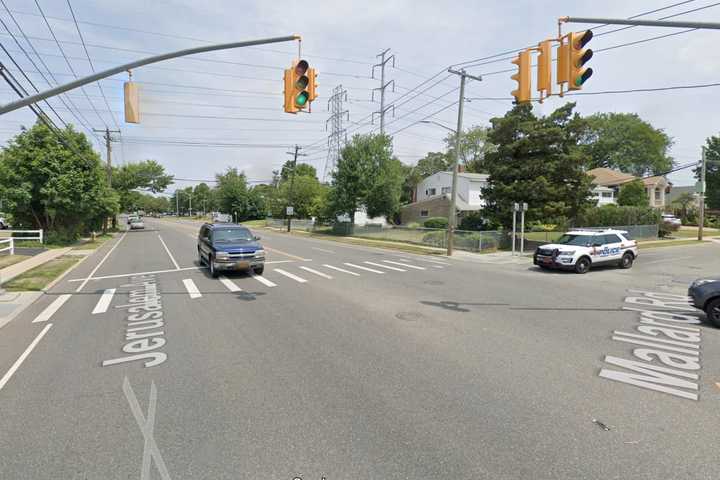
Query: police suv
[{"x": 580, "y": 249}]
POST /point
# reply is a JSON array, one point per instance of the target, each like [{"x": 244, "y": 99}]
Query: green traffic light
[{"x": 302, "y": 99}]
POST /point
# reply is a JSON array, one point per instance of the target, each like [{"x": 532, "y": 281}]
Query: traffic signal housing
[
  {"x": 522, "y": 77},
  {"x": 300, "y": 86},
  {"x": 578, "y": 56},
  {"x": 544, "y": 69}
]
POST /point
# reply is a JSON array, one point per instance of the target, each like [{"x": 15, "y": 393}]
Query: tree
[
  {"x": 59, "y": 186},
  {"x": 474, "y": 146},
  {"x": 632, "y": 194},
  {"x": 712, "y": 174},
  {"x": 684, "y": 202},
  {"x": 430, "y": 164},
  {"x": 233, "y": 195},
  {"x": 147, "y": 175},
  {"x": 301, "y": 170},
  {"x": 538, "y": 161},
  {"x": 625, "y": 142},
  {"x": 366, "y": 176}
]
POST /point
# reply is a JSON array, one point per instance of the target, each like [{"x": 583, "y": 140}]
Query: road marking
[
  {"x": 438, "y": 266},
  {"x": 322, "y": 250},
  {"x": 287, "y": 254},
  {"x": 290, "y": 275},
  {"x": 138, "y": 274},
  {"x": 192, "y": 288},
  {"x": 177, "y": 267},
  {"x": 405, "y": 265},
  {"x": 24, "y": 355},
  {"x": 385, "y": 266},
  {"x": 104, "y": 302},
  {"x": 319, "y": 274},
  {"x": 364, "y": 268},
  {"x": 438, "y": 262},
  {"x": 230, "y": 284},
  {"x": 280, "y": 261},
  {"x": 263, "y": 280},
  {"x": 84, "y": 282},
  {"x": 341, "y": 270},
  {"x": 151, "y": 452},
  {"x": 52, "y": 308}
]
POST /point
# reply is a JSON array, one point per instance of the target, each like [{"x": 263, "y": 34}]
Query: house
[
  {"x": 607, "y": 182},
  {"x": 677, "y": 192},
  {"x": 432, "y": 196}
]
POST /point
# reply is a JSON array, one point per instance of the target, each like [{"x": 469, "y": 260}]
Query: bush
[
  {"x": 434, "y": 239},
  {"x": 472, "y": 221},
  {"x": 436, "y": 222},
  {"x": 472, "y": 241},
  {"x": 413, "y": 225},
  {"x": 613, "y": 215}
]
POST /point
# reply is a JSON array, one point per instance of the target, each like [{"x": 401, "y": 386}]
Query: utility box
[{"x": 132, "y": 102}]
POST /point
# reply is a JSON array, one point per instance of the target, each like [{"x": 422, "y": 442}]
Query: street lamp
[{"x": 432, "y": 122}]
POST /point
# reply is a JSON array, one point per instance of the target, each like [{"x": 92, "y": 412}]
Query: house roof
[
  {"x": 473, "y": 176},
  {"x": 607, "y": 177}
]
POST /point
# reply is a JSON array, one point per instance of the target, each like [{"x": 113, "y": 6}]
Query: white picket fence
[
  {"x": 11, "y": 245},
  {"x": 24, "y": 234}
]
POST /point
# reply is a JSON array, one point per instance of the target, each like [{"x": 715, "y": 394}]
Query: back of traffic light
[{"x": 300, "y": 86}]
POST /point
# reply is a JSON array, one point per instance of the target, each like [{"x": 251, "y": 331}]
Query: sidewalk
[{"x": 8, "y": 273}]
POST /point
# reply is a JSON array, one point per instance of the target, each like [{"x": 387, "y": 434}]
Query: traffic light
[
  {"x": 562, "y": 64},
  {"x": 298, "y": 89},
  {"x": 522, "y": 93},
  {"x": 132, "y": 102},
  {"x": 578, "y": 56},
  {"x": 312, "y": 84},
  {"x": 544, "y": 69}
]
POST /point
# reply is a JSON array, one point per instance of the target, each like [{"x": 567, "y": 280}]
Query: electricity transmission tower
[
  {"x": 384, "y": 59},
  {"x": 338, "y": 135}
]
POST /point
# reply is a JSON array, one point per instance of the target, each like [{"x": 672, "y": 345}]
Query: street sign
[
  {"x": 289, "y": 211},
  {"x": 516, "y": 207},
  {"x": 524, "y": 207}
]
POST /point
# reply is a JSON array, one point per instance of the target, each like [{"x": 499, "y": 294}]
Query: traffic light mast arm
[
  {"x": 645, "y": 23},
  {"x": 29, "y": 100}
]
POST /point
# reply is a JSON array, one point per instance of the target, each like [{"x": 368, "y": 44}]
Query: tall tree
[
  {"x": 537, "y": 161},
  {"x": 232, "y": 193},
  {"x": 625, "y": 142},
  {"x": 367, "y": 176},
  {"x": 474, "y": 147},
  {"x": 712, "y": 175},
  {"x": 147, "y": 175},
  {"x": 632, "y": 194},
  {"x": 59, "y": 186},
  {"x": 301, "y": 170}
]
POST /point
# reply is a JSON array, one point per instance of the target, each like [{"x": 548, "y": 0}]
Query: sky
[{"x": 226, "y": 107}]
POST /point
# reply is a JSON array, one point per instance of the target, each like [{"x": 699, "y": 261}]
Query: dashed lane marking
[
  {"x": 104, "y": 302},
  {"x": 52, "y": 308},
  {"x": 177, "y": 267},
  {"x": 319, "y": 274},
  {"x": 437, "y": 262},
  {"x": 24, "y": 355},
  {"x": 341, "y": 270},
  {"x": 405, "y": 265},
  {"x": 230, "y": 285},
  {"x": 263, "y": 280},
  {"x": 192, "y": 288},
  {"x": 364, "y": 268},
  {"x": 385, "y": 266},
  {"x": 290, "y": 275},
  {"x": 322, "y": 250}
]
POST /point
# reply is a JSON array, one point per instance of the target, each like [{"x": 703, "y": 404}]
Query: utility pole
[
  {"x": 701, "y": 207},
  {"x": 190, "y": 199},
  {"x": 289, "y": 210},
  {"x": 338, "y": 135},
  {"x": 177, "y": 203},
  {"x": 384, "y": 59},
  {"x": 108, "y": 146},
  {"x": 452, "y": 215}
]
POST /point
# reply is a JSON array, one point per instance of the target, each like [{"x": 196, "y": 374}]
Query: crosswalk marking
[
  {"x": 404, "y": 265},
  {"x": 385, "y": 266},
  {"x": 50, "y": 310},
  {"x": 104, "y": 302},
  {"x": 319, "y": 274},
  {"x": 438, "y": 266},
  {"x": 438, "y": 262},
  {"x": 229, "y": 284},
  {"x": 341, "y": 270},
  {"x": 364, "y": 268},
  {"x": 192, "y": 288},
  {"x": 263, "y": 280},
  {"x": 290, "y": 275}
]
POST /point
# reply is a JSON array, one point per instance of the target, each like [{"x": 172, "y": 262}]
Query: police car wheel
[
  {"x": 582, "y": 265},
  {"x": 627, "y": 260}
]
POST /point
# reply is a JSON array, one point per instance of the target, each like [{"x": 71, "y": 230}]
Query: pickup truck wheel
[
  {"x": 259, "y": 270},
  {"x": 213, "y": 270},
  {"x": 627, "y": 260},
  {"x": 712, "y": 310},
  {"x": 582, "y": 265}
]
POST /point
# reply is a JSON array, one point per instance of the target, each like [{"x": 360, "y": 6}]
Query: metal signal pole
[{"x": 701, "y": 207}]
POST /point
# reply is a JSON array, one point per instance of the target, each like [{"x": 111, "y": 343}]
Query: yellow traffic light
[
  {"x": 298, "y": 90},
  {"x": 578, "y": 56},
  {"x": 288, "y": 82},
  {"x": 522, "y": 93},
  {"x": 132, "y": 102},
  {"x": 544, "y": 69}
]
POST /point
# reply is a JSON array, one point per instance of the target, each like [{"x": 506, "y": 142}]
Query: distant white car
[
  {"x": 4, "y": 224},
  {"x": 671, "y": 219},
  {"x": 578, "y": 250},
  {"x": 137, "y": 224}
]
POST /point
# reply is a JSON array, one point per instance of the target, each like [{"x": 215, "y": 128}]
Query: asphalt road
[{"x": 353, "y": 362}]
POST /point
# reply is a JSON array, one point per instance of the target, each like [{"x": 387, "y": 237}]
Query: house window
[
  {"x": 423, "y": 213},
  {"x": 657, "y": 195},
  {"x": 431, "y": 191},
  {"x": 445, "y": 190},
  {"x": 607, "y": 195}
]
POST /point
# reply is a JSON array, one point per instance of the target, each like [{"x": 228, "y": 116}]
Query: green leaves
[
  {"x": 712, "y": 175},
  {"x": 632, "y": 194}
]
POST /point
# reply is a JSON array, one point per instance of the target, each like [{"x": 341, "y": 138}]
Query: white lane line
[
  {"x": 437, "y": 262},
  {"x": 438, "y": 266},
  {"x": 407, "y": 265},
  {"x": 364, "y": 268},
  {"x": 104, "y": 302},
  {"x": 263, "y": 280},
  {"x": 290, "y": 275},
  {"x": 192, "y": 288},
  {"x": 84, "y": 282},
  {"x": 385, "y": 266},
  {"x": 322, "y": 250},
  {"x": 289, "y": 255},
  {"x": 177, "y": 267},
  {"x": 341, "y": 270},
  {"x": 319, "y": 274},
  {"x": 24, "y": 355},
  {"x": 136, "y": 274},
  {"x": 229, "y": 284},
  {"x": 52, "y": 308}
]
